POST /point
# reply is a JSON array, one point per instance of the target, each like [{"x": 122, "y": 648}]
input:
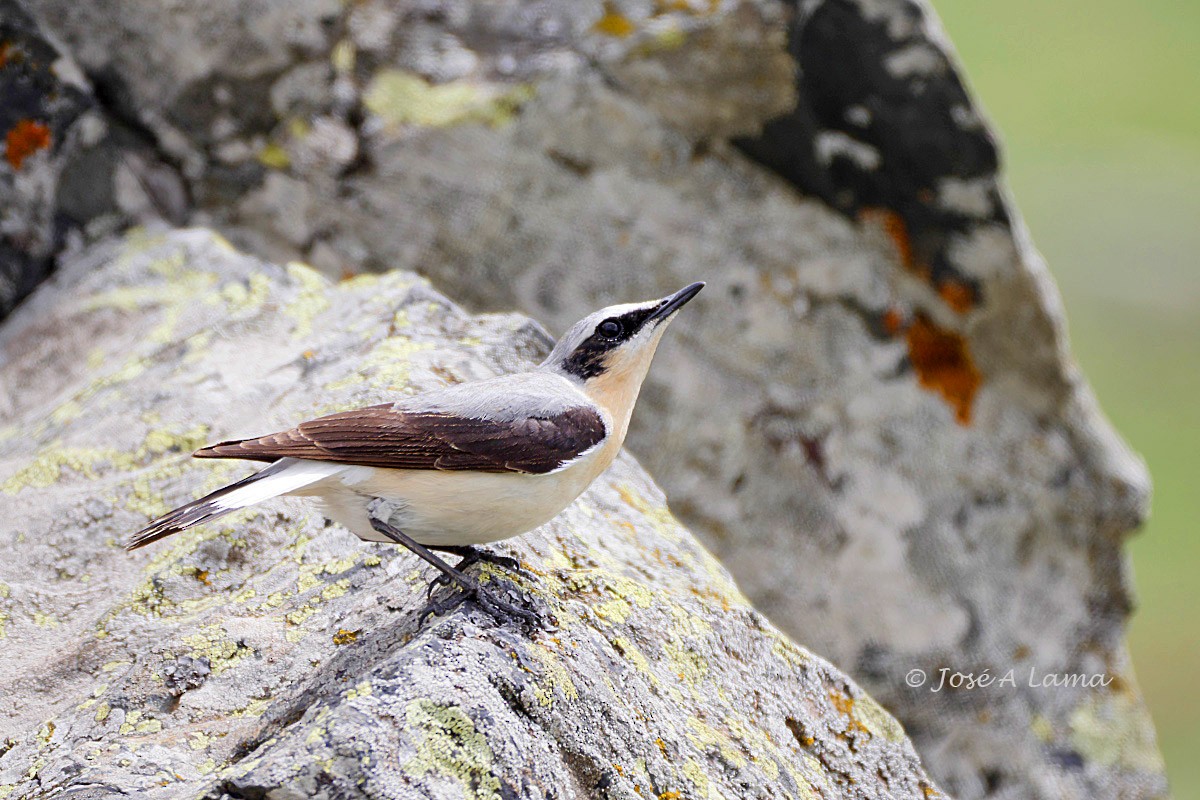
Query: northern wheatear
[{"x": 463, "y": 465}]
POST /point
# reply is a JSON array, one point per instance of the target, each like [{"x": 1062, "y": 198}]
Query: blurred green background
[{"x": 1098, "y": 106}]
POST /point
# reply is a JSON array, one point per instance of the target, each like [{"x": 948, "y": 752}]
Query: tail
[{"x": 283, "y": 476}]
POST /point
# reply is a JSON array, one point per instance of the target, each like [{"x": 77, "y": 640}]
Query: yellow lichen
[
  {"x": 630, "y": 651},
  {"x": 695, "y": 773},
  {"x": 213, "y": 643},
  {"x": 1115, "y": 729},
  {"x": 66, "y": 412},
  {"x": 385, "y": 367},
  {"x": 47, "y": 467},
  {"x": 246, "y": 296},
  {"x": 131, "y": 719},
  {"x": 254, "y": 709},
  {"x": 343, "y": 56},
  {"x": 311, "y": 300},
  {"x": 790, "y": 652},
  {"x": 274, "y": 156},
  {"x": 877, "y": 721},
  {"x": 555, "y": 677},
  {"x": 362, "y": 689},
  {"x": 403, "y": 98},
  {"x": 1042, "y": 728},
  {"x": 448, "y": 745},
  {"x": 704, "y": 737}
]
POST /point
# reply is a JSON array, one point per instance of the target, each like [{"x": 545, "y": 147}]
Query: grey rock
[
  {"x": 70, "y": 164},
  {"x": 40, "y": 110},
  {"x": 274, "y": 656}
]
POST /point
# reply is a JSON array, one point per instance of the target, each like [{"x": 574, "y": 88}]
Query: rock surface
[
  {"x": 871, "y": 418},
  {"x": 72, "y": 163},
  {"x": 270, "y": 655},
  {"x": 39, "y": 110}
]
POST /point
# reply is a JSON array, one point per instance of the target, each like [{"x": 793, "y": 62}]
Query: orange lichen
[
  {"x": 957, "y": 295},
  {"x": 893, "y": 321},
  {"x": 845, "y": 705},
  {"x": 344, "y": 636},
  {"x": 943, "y": 364},
  {"x": 614, "y": 24},
  {"x": 25, "y": 139},
  {"x": 896, "y": 229}
]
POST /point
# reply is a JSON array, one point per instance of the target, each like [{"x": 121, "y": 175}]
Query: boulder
[
  {"x": 273, "y": 655},
  {"x": 73, "y": 164},
  {"x": 40, "y": 109}
]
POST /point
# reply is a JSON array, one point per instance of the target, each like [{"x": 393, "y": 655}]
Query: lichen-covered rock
[
  {"x": 272, "y": 655},
  {"x": 71, "y": 161},
  {"x": 40, "y": 105},
  {"x": 871, "y": 418}
]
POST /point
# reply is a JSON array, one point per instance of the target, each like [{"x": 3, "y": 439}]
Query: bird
[{"x": 463, "y": 465}]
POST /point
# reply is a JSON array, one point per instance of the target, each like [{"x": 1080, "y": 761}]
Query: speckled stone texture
[
  {"x": 273, "y": 656},
  {"x": 40, "y": 108},
  {"x": 870, "y": 416}
]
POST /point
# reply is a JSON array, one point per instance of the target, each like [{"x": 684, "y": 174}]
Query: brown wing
[{"x": 382, "y": 436}]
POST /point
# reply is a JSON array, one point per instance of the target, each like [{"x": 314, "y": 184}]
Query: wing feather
[{"x": 392, "y": 438}]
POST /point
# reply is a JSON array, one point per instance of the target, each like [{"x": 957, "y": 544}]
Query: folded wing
[{"x": 391, "y": 438}]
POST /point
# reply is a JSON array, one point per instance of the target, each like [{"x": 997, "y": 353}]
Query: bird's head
[{"x": 609, "y": 351}]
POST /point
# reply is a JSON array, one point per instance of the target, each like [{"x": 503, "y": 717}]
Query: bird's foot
[
  {"x": 500, "y": 609},
  {"x": 470, "y": 587},
  {"x": 477, "y": 556},
  {"x": 472, "y": 556}
]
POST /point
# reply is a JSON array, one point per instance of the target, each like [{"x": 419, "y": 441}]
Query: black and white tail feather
[{"x": 283, "y": 476}]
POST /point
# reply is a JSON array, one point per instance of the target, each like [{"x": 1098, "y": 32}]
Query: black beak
[{"x": 669, "y": 305}]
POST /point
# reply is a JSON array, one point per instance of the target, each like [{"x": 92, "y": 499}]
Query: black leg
[
  {"x": 470, "y": 586},
  {"x": 400, "y": 537}
]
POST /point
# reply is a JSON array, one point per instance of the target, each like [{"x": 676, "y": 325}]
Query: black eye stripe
[{"x": 589, "y": 356}]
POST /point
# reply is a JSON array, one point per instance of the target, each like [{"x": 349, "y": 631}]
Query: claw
[
  {"x": 473, "y": 557},
  {"x": 500, "y": 610},
  {"x": 497, "y": 607}
]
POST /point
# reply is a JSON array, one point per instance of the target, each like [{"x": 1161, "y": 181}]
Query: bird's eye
[{"x": 610, "y": 328}]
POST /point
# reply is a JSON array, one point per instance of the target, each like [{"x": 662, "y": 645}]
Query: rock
[
  {"x": 273, "y": 656},
  {"x": 871, "y": 417},
  {"x": 39, "y": 110},
  {"x": 71, "y": 165}
]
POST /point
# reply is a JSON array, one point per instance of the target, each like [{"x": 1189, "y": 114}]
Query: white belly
[{"x": 455, "y": 507}]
